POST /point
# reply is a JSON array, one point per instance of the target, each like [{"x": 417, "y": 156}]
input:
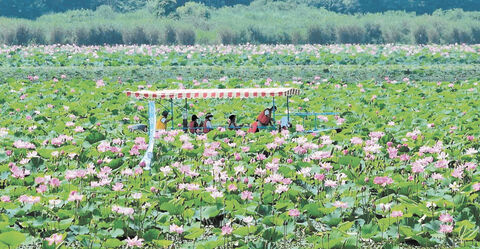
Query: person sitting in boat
[
  {"x": 162, "y": 122},
  {"x": 232, "y": 123},
  {"x": 265, "y": 117},
  {"x": 207, "y": 124},
  {"x": 253, "y": 127},
  {"x": 193, "y": 125},
  {"x": 284, "y": 124}
]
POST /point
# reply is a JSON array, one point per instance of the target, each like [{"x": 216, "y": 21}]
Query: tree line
[
  {"x": 32, "y": 9},
  {"x": 196, "y": 24}
]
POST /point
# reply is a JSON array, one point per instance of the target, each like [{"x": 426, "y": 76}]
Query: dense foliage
[
  {"x": 258, "y": 23},
  {"x": 151, "y": 63},
  {"x": 244, "y": 55},
  {"x": 402, "y": 170},
  {"x": 35, "y": 8}
]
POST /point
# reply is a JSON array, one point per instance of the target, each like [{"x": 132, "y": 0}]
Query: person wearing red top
[
  {"x": 253, "y": 127},
  {"x": 265, "y": 117},
  {"x": 193, "y": 125}
]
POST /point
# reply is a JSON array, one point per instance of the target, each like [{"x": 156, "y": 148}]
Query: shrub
[
  {"x": 241, "y": 37},
  {"x": 227, "y": 36},
  {"x": 37, "y": 36},
  {"x": 110, "y": 35},
  {"x": 256, "y": 36},
  {"x": 420, "y": 35},
  {"x": 22, "y": 35},
  {"x": 81, "y": 36},
  {"x": 154, "y": 36},
  {"x": 57, "y": 36},
  {"x": 135, "y": 36},
  {"x": 321, "y": 35},
  {"x": 170, "y": 35},
  {"x": 186, "y": 37},
  {"x": 459, "y": 36},
  {"x": 373, "y": 33},
  {"x": 297, "y": 38},
  {"x": 476, "y": 34},
  {"x": 98, "y": 36},
  {"x": 8, "y": 36},
  {"x": 399, "y": 33},
  {"x": 350, "y": 34},
  {"x": 433, "y": 36},
  {"x": 283, "y": 38}
]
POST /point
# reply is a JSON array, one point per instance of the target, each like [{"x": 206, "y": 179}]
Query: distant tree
[
  {"x": 162, "y": 7},
  {"x": 193, "y": 10},
  {"x": 123, "y": 5}
]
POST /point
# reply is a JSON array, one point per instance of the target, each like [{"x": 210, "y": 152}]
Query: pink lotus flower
[
  {"x": 281, "y": 188},
  {"x": 134, "y": 242},
  {"x": 396, "y": 214},
  {"x": 232, "y": 187},
  {"x": 127, "y": 172},
  {"x": 445, "y": 218},
  {"x": 226, "y": 230},
  {"x": 446, "y": 228},
  {"x": 458, "y": 173},
  {"x": 5, "y": 198},
  {"x": 42, "y": 188},
  {"x": 299, "y": 128},
  {"x": 340, "y": 204},
  {"x": 476, "y": 186},
  {"x": 100, "y": 83},
  {"x": 384, "y": 181},
  {"x": 247, "y": 195},
  {"x": 55, "y": 238},
  {"x": 138, "y": 171},
  {"x": 245, "y": 149},
  {"x": 417, "y": 168},
  {"x": 136, "y": 196},
  {"x": 176, "y": 229},
  {"x": 216, "y": 194},
  {"x": 117, "y": 187},
  {"x": 54, "y": 182},
  {"x": 39, "y": 180},
  {"x": 187, "y": 146},
  {"x": 248, "y": 220},
  {"x": 23, "y": 145},
  {"x": 319, "y": 177},
  {"x": 330, "y": 183},
  {"x": 74, "y": 196},
  {"x": 294, "y": 212},
  {"x": 29, "y": 199}
]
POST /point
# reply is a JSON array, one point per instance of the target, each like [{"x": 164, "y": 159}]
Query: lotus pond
[{"x": 401, "y": 172}]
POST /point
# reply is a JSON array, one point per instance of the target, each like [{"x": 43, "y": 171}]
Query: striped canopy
[{"x": 214, "y": 93}]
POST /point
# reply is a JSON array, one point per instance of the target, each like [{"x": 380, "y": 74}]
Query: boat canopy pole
[
  {"x": 273, "y": 110},
  {"x": 186, "y": 108},
  {"x": 148, "y": 157},
  {"x": 171, "y": 107},
  {"x": 288, "y": 111}
]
